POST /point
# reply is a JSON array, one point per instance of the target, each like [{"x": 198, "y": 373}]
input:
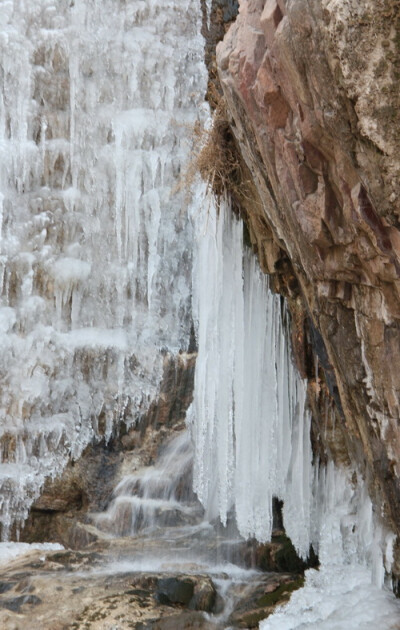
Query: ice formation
[
  {"x": 9, "y": 551},
  {"x": 341, "y": 594},
  {"x": 95, "y": 247},
  {"x": 249, "y": 421},
  {"x": 95, "y": 268},
  {"x": 251, "y": 431}
]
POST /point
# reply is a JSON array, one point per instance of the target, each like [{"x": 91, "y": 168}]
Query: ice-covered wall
[{"x": 96, "y": 97}]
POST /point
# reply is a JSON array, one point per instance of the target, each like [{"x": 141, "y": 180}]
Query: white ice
[
  {"x": 249, "y": 421},
  {"x": 9, "y": 551},
  {"x": 348, "y": 590},
  {"x": 251, "y": 431}
]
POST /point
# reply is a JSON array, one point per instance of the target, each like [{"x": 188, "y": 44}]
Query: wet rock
[
  {"x": 262, "y": 599},
  {"x": 184, "y": 621},
  {"x": 6, "y": 586},
  {"x": 277, "y": 555},
  {"x": 204, "y": 596},
  {"x": 280, "y": 555},
  {"x": 197, "y": 593},
  {"x": 83, "y": 534},
  {"x": 176, "y": 392},
  {"x": 75, "y": 595},
  {"x": 17, "y": 603},
  {"x": 175, "y": 591}
]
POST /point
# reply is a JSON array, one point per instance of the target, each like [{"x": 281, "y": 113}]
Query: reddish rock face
[{"x": 312, "y": 88}]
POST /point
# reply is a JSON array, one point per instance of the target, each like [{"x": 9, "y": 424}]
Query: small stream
[{"x": 157, "y": 509}]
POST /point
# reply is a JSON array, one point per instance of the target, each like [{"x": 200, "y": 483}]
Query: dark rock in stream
[
  {"x": 197, "y": 593},
  {"x": 174, "y": 590},
  {"x": 17, "y": 603}
]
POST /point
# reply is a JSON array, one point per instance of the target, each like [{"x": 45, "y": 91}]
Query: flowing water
[
  {"x": 96, "y": 274},
  {"x": 155, "y": 497},
  {"x": 156, "y": 506}
]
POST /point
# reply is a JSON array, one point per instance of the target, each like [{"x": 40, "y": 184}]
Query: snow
[
  {"x": 349, "y": 586},
  {"x": 336, "y": 598}
]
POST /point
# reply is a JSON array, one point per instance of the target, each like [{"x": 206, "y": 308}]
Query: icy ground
[{"x": 9, "y": 551}]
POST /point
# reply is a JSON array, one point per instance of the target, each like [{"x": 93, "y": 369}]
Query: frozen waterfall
[
  {"x": 251, "y": 431},
  {"x": 96, "y": 97},
  {"x": 95, "y": 249},
  {"x": 250, "y": 425}
]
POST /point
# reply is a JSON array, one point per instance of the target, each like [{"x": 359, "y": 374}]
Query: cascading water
[
  {"x": 155, "y": 497},
  {"x": 94, "y": 238}
]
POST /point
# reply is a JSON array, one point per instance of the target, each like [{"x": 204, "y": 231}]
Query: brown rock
[
  {"x": 55, "y": 591},
  {"x": 316, "y": 116},
  {"x": 270, "y": 18}
]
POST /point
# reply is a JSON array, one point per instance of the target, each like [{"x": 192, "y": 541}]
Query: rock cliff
[{"x": 312, "y": 97}]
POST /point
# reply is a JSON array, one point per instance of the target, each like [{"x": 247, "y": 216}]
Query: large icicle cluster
[
  {"x": 249, "y": 420},
  {"x": 95, "y": 251},
  {"x": 250, "y": 426}
]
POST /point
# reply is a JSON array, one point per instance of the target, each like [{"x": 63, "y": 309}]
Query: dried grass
[
  {"x": 214, "y": 156},
  {"x": 217, "y": 160}
]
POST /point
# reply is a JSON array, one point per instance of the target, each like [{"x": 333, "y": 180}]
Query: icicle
[
  {"x": 249, "y": 418},
  {"x": 250, "y": 424}
]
